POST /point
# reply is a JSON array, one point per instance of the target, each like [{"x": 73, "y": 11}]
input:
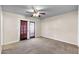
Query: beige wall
[
  {"x": 78, "y": 25},
  {"x": 62, "y": 27},
  {"x": 12, "y": 27},
  {"x": 0, "y": 26},
  {"x": 0, "y": 29}
]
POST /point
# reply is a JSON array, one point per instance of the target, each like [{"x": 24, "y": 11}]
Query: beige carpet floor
[{"x": 40, "y": 46}]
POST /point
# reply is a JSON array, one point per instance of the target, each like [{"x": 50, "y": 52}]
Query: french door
[
  {"x": 32, "y": 29},
  {"x": 23, "y": 30}
]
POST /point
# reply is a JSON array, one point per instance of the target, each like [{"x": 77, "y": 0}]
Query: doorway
[
  {"x": 23, "y": 30},
  {"x": 32, "y": 29}
]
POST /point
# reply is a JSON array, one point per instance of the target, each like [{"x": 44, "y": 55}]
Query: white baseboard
[
  {"x": 60, "y": 41},
  {"x": 10, "y": 42}
]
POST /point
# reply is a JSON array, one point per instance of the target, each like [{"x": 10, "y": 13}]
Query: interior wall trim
[{"x": 61, "y": 41}]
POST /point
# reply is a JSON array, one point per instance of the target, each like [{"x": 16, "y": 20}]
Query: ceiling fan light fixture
[{"x": 36, "y": 14}]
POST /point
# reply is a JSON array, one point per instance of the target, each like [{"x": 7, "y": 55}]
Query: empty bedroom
[{"x": 39, "y": 29}]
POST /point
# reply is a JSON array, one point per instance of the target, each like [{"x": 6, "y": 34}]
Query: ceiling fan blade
[
  {"x": 34, "y": 9},
  {"x": 28, "y": 12},
  {"x": 43, "y": 13},
  {"x": 42, "y": 10}
]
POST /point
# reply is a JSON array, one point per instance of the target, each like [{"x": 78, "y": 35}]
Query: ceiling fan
[{"x": 36, "y": 13}]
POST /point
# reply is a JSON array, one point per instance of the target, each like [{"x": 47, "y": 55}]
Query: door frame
[{"x": 29, "y": 28}]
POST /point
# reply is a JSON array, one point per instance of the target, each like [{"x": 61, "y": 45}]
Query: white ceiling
[{"x": 50, "y": 10}]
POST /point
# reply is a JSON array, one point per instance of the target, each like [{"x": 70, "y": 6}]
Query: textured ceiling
[{"x": 50, "y": 10}]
